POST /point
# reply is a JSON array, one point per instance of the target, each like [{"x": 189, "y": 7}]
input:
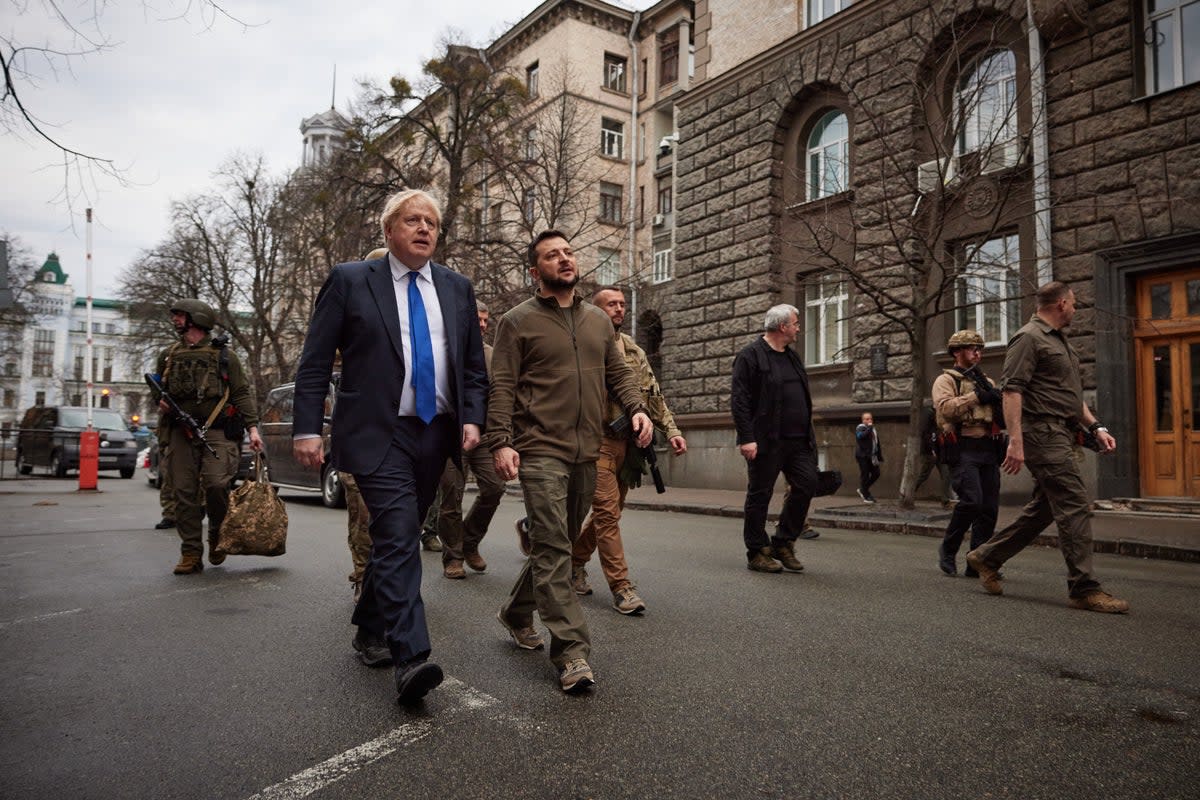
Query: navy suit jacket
[{"x": 356, "y": 313}]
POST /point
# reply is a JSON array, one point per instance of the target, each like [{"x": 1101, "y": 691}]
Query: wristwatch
[{"x": 1097, "y": 426}]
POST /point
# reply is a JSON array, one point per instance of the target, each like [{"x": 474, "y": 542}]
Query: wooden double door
[{"x": 1167, "y": 347}]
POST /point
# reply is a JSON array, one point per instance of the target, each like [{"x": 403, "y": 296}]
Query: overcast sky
[{"x": 173, "y": 99}]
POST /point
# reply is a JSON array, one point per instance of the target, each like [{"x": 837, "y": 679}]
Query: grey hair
[
  {"x": 481, "y": 307},
  {"x": 778, "y": 316}
]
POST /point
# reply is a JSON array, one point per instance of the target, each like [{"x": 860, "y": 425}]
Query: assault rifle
[
  {"x": 192, "y": 428},
  {"x": 985, "y": 387},
  {"x": 620, "y": 427}
]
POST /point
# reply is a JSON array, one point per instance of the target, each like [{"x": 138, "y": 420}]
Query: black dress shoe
[
  {"x": 950, "y": 571},
  {"x": 372, "y": 650},
  {"x": 415, "y": 679},
  {"x": 164, "y": 524}
]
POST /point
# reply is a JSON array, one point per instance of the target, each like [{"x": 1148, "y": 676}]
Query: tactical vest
[
  {"x": 197, "y": 377},
  {"x": 976, "y": 415}
]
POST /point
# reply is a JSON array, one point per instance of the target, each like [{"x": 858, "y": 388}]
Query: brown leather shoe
[
  {"x": 1102, "y": 602},
  {"x": 988, "y": 577},
  {"x": 762, "y": 562},
  {"x": 189, "y": 563},
  {"x": 786, "y": 555},
  {"x": 475, "y": 561},
  {"x": 454, "y": 569}
]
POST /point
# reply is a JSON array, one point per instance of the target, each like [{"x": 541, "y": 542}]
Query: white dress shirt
[{"x": 437, "y": 335}]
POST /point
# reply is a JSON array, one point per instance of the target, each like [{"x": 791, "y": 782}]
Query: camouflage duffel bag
[{"x": 256, "y": 523}]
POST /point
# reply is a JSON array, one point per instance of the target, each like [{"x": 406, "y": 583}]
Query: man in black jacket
[{"x": 772, "y": 411}]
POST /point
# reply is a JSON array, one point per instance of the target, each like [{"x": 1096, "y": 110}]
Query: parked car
[
  {"x": 49, "y": 437},
  {"x": 275, "y": 427}
]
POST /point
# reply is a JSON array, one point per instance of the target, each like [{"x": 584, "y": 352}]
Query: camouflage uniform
[
  {"x": 191, "y": 374},
  {"x": 358, "y": 528}
]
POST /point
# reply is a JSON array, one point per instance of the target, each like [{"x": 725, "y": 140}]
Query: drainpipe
[
  {"x": 1041, "y": 149},
  {"x": 633, "y": 157}
]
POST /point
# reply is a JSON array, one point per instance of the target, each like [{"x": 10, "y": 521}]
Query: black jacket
[{"x": 756, "y": 399}]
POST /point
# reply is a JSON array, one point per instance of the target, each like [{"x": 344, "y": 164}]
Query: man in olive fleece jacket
[{"x": 554, "y": 363}]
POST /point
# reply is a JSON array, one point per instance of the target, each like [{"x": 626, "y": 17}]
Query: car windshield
[{"x": 103, "y": 419}]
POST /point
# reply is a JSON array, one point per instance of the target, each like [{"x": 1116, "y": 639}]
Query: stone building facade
[{"x": 898, "y": 170}]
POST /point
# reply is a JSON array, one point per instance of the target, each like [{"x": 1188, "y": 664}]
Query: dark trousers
[
  {"x": 868, "y": 473},
  {"x": 977, "y": 482},
  {"x": 797, "y": 460},
  {"x": 397, "y": 495}
]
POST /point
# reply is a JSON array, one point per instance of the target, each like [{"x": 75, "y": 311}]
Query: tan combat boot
[
  {"x": 189, "y": 563},
  {"x": 762, "y": 562},
  {"x": 786, "y": 555}
]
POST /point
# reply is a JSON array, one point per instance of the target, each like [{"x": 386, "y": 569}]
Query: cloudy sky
[{"x": 174, "y": 98}]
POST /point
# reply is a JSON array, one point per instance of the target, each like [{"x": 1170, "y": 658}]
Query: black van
[
  {"x": 49, "y": 437},
  {"x": 275, "y": 427}
]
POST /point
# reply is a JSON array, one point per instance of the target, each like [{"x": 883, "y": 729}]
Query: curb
[{"x": 915, "y": 526}]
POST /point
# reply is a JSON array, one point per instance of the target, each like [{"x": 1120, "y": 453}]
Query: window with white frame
[
  {"x": 820, "y": 10},
  {"x": 1172, "y": 40},
  {"x": 663, "y": 267},
  {"x": 531, "y": 148},
  {"x": 826, "y": 320},
  {"x": 610, "y": 202},
  {"x": 608, "y": 270},
  {"x": 43, "y": 353},
  {"x": 986, "y": 102},
  {"x": 989, "y": 288},
  {"x": 612, "y": 137},
  {"x": 829, "y": 155},
  {"x": 614, "y": 72},
  {"x": 531, "y": 79}
]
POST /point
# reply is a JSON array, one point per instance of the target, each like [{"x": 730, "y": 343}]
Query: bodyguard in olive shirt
[{"x": 1043, "y": 407}]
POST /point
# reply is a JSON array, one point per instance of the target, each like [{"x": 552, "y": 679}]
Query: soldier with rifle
[
  {"x": 207, "y": 405},
  {"x": 970, "y": 422},
  {"x": 619, "y": 467}
]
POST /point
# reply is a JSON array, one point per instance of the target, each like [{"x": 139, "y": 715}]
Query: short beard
[{"x": 556, "y": 284}]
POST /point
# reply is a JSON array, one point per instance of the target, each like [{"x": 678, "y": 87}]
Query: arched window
[
  {"x": 986, "y": 102},
  {"x": 829, "y": 155}
]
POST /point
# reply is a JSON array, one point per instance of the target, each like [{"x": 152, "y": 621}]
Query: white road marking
[
  {"x": 302, "y": 784},
  {"x": 39, "y": 617}
]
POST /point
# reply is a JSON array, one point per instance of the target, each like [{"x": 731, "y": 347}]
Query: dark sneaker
[
  {"x": 523, "y": 535},
  {"x": 430, "y": 542},
  {"x": 164, "y": 524},
  {"x": 579, "y": 581},
  {"x": 475, "y": 561},
  {"x": 454, "y": 569},
  {"x": 762, "y": 562},
  {"x": 866, "y": 496},
  {"x": 416, "y": 679},
  {"x": 809, "y": 534},
  {"x": 576, "y": 676},
  {"x": 988, "y": 577},
  {"x": 785, "y": 554},
  {"x": 949, "y": 569},
  {"x": 372, "y": 650},
  {"x": 626, "y": 600},
  {"x": 189, "y": 563},
  {"x": 1102, "y": 602},
  {"x": 526, "y": 637}
]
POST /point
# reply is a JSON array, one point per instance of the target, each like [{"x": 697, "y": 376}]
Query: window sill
[{"x": 841, "y": 198}]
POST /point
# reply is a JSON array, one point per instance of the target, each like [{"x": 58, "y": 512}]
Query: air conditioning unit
[
  {"x": 1002, "y": 155},
  {"x": 931, "y": 174},
  {"x": 659, "y": 219}
]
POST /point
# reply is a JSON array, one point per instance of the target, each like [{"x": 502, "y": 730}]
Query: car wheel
[
  {"x": 126, "y": 472},
  {"x": 22, "y": 467},
  {"x": 332, "y": 493},
  {"x": 57, "y": 467}
]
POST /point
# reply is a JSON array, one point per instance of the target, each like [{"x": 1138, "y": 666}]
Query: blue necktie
[{"x": 423, "y": 381}]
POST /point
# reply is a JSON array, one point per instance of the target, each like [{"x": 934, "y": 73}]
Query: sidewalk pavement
[{"x": 1143, "y": 534}]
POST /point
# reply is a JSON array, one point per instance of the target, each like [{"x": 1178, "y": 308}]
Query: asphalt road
[{"x": 868, "y": 676}]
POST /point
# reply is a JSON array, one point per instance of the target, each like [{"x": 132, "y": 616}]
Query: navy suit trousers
[{"x": 397, "y": 495}]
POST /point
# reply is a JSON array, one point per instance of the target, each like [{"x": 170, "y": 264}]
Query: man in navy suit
[{"x": 413, "y": 391}]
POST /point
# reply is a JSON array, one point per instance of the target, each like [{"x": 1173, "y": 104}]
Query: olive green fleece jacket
[{"x": 550, "y": 383}]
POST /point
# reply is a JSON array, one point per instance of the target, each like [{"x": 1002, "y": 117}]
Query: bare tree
[
  {"x": 229, "y": 248},
  {"x": 70, "y": 34},
  {"x": 17, "y": 313}
]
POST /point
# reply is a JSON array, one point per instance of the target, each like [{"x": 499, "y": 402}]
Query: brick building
[{"x": 898, "y": 170}]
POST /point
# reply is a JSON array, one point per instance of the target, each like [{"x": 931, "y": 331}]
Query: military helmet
[
  {"x": 964, "y": 338},
  {"x": 200, "y": 313}
]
